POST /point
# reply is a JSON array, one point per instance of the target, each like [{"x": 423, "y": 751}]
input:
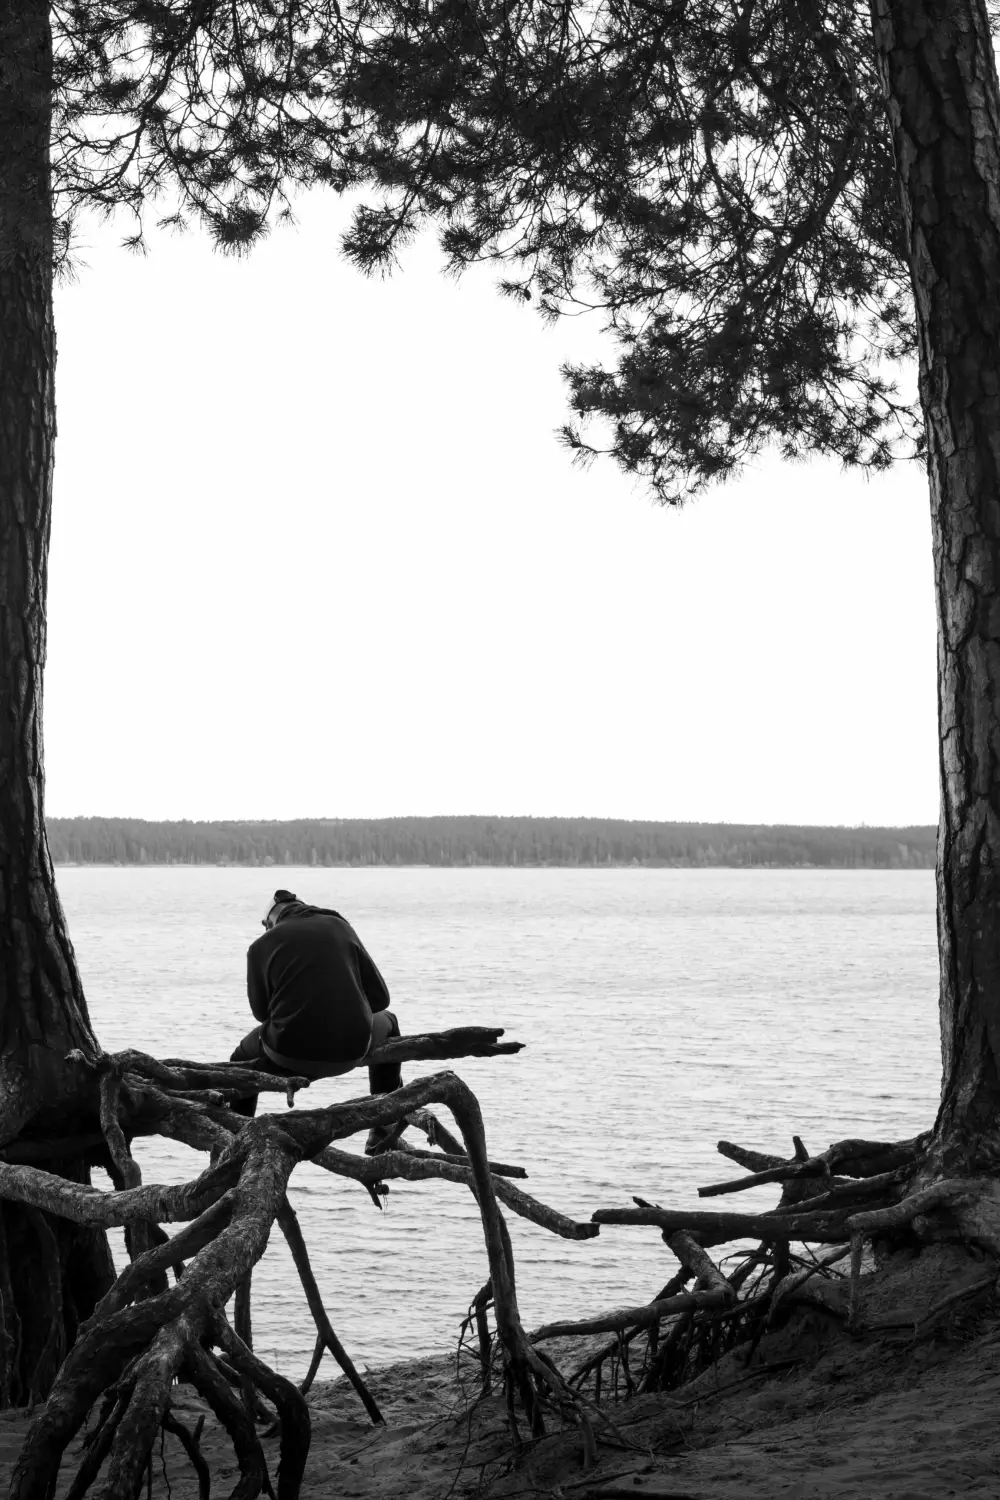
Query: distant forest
[{"x": 483, "y": 841}]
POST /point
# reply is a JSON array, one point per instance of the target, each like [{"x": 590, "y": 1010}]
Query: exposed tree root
[
  {"x": 855, "y": 1192},
  {"x": 190, "y": 1442},
  {"x": 325, "y": 1336},
  {"x": 146, "y": 1333}
]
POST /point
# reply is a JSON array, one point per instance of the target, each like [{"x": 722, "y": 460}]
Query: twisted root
[
  {"x": 838, "y": 1200},
  {"x": 145, "y": 1334}
]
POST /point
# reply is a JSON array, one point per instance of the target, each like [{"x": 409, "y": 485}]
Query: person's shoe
[{"x": 382, "y": 1138}]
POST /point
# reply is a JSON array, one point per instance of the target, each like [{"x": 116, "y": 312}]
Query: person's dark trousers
[
  {"x": 384, "y": 1078},
  {"x": 251, "y": 1054}
]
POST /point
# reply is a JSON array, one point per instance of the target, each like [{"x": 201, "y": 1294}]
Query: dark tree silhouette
[
  {"x": 768, "y": 199},
  {"x": 715, "y": 178}
]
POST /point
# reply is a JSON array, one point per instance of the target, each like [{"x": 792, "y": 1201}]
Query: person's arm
[
  {"x": 256, "y": 987},
  {"x": 375, "y": 988}
]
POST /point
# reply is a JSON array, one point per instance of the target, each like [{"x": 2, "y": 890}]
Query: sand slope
[{"x": 886, "y": 1416}]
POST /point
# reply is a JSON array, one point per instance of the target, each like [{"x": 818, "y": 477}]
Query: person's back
[
  {"x": 315, "y": 988},
  {"x": 321, "y": 1003}
]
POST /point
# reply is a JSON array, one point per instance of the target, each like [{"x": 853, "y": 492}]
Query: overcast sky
[{"x": 316, "y": 552}]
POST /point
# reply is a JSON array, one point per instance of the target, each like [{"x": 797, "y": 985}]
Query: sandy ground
[{"x": 887, "y": 1415}]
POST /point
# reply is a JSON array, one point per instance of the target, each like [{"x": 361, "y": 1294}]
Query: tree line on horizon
[{"x": 470, "y": 840}]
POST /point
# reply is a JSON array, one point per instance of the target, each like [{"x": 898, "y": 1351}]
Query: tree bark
[
  {"x": 50, "y": 1274},
  {"x": 940, "y": 82}
]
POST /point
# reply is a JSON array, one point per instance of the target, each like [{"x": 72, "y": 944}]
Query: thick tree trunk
[
  {"x": 49, "y": 1272},
  {"x": 940, "y": 80}
]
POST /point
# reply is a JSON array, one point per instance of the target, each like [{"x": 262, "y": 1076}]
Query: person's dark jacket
[{"x": 314, "y": 986}]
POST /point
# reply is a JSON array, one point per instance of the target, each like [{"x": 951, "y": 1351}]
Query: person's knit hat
[
  {"x": 285, "y": 904},
  {"x": 291, "y": 906}
]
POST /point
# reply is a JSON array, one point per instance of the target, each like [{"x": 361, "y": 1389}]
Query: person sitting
[{"x": 321, "y": 1003}]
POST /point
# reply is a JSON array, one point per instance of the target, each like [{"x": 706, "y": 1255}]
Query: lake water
[{"x": 662, "y": 1010}]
